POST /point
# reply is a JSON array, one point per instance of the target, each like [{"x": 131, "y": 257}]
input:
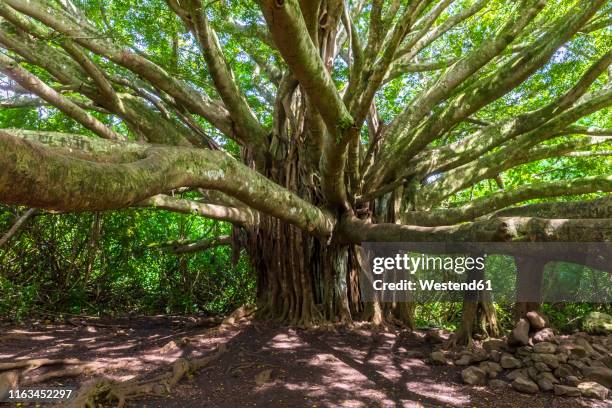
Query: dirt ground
[{"x": 265, "y": 366}]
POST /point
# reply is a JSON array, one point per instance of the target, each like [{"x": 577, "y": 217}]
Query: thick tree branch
[
  {"x": 96, "y": 74},
  {"x": 291, "y": 35},
  {"x": 240, "y": 216},
  {"x": 518, "y": 151},
  {"x": 46, "y": 178},
  {"x": 246, "y": 124},
  {"x": 501, "y": 229},
  {"x": 406, "y": 142},
  {"x": 496, "y": 201},
  {"x": 138, "y": 115},
  {"x": 188, "y": 247},
  {"x": 598, "y": 208}
]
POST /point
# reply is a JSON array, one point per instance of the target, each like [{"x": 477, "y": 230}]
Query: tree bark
[
  {"x": 529, "y": 273},
  {"x": 478, "y": 313}
]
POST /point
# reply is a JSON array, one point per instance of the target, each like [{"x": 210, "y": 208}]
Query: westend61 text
[{"x": 431, "y": 285}]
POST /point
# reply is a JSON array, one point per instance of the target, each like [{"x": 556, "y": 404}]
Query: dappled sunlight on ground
[{"x": 266, "y": 366}]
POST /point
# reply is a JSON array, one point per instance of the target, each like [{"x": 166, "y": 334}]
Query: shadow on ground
[{"x": 267, "y": 366}]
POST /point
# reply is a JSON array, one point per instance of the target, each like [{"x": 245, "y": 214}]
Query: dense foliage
[{"x": 113, "y": 263}]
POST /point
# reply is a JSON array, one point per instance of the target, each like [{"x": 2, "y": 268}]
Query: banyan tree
[{"x": 315, "y": 125}]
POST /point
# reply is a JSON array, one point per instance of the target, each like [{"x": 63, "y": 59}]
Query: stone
[
  {"x": 597, "y": 363},
  {"x": 572, "y": 380},
  {"x": 507, "y": 361},
  {"x": 263, "y": 377},
  {"x": 600, "y": 375},
  {"x": 549, "y": 359},
  {"x": 514, "y": 374},
  {"x": 546, "y": 334},
  {"x": 564, "y": 370},
  {"x": 520, "y": 334},
  {"x": 544, "y": 348},
  {"x": 473, "y": 376},
  {"x": 479, "y": 355},
  {"x": 532, "y": 372},
  {"x": 537, "y": 320},
  {"x": 438, "y": 358},
  {"x": 494, "y": 344},
  {"x": 434, "y": 337},
  {"x": 495, "y": 355},
  {"x": 577, "y": 364},
  {"x": 600, "y": 349},
  {"x": 597, "y": 323},
  {"x": 490, "y": 367},
  {"x": 545, "y": 385},
  {"x": 414, "y": 354},
  {"x": 591, "y": 389},
  {"x": 566, "y": 391},
  {"x": 573, "y": 350},
  {"x": 607, "y": 360},
  {"x": 541, "y": 366},
  {"x": 522, "y": 384},
  {"x": 498, "y": 384},
  {"x": 463, "y": 360},
  {"x": 585, "y": 345},
  {"x": 562, "y": 357},
  {"x": 548, "y": 377},
  {"x": 524, "y": 351}
]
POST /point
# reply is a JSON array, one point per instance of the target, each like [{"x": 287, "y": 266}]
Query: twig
[{"x": 17, "y": 226}]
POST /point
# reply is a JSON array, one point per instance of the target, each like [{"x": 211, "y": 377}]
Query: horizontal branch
[
  {"x": 23, "y": 102},
  {"x": 240, "y": 216},
  {"x": 38, "y": 176},
  {"x": 496, "y": 201},
  {"x": 598, "y": 208},
  {"x": 500, "y": 229},
  {"x": 187, "y": 247},
  {"x": 399, "y": 68}
]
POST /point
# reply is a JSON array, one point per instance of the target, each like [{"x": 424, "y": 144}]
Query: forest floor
[{"x": 264, "y": 366}]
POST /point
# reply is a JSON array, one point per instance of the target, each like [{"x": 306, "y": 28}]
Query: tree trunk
[
  {"x": 529, "y": 273},
  {"x": 477, "y": 314},
  {"x": 301, "y": 280}
]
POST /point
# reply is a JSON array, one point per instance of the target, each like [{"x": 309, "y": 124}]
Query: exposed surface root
[
  {"x": 17, "y": 374},
  {"x": 102, "y": 391},
  {"x": 33, "y": 364}
]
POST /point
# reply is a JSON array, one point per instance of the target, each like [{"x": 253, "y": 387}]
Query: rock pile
[{"x": 535, "y": 359}]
